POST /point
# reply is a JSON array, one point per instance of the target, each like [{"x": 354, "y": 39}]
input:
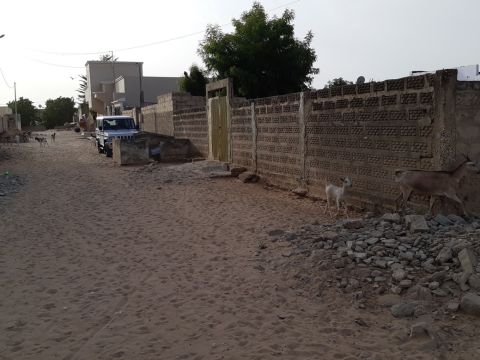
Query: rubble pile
[{"x": 425, "y": 259}]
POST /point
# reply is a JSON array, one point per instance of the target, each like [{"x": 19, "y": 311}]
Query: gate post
[{"x": 211, "y": 88}]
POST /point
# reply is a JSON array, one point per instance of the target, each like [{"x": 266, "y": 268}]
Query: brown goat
[{"x": 432, "y": 183}]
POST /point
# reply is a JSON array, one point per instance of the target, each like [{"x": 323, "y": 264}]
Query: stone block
[
  {"x": 130, "y": 152},
  {"x": 392, "y": 218},
  {"x": 470, "y": 304},
  {"x": 416, "y": 223},
  {"x": 467, "y": 260}
]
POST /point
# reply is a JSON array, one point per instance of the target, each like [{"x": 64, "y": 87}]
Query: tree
[
  {"x": 262, "y": 55},
  {"x": 195, "y": 82},
  {"x": 338, "y": 82},
  {"x": 82, "y": 88},
  {"x": 58, "y": 112},
  {"x": 26, "y": 109}
]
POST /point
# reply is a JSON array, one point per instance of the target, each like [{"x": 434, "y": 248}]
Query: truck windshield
[{"x": 118, "y": 124}]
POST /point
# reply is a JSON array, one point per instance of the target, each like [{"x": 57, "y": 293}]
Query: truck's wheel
[{"x": 108, "y": 152}]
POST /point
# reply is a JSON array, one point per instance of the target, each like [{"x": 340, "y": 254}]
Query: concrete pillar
[{"x": 254, "y": 137}]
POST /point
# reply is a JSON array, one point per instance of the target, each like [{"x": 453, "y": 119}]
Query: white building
[
  {"x": 113, "y": 86},
  {"x": 465, "y": 73}
]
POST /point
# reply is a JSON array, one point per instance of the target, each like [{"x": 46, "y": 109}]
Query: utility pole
[
  {"x": 113, "y": 89},
  {"x": 15, "y": 94}
]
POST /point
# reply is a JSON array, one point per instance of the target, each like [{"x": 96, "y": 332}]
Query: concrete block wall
[
  {"x": 279, "y": 149},
  {"x": 367, "y": 132},
  {"x": 192, "y": 124},
  {"x": 467, "y": 121},
  {"x": 243, "y": 130},
  {"x": 364, "y": 131},
  {"x": 158, "y": 118}
]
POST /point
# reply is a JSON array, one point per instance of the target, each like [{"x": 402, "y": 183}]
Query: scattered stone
[
  {"x": 237, "y": 170},
  {"x": 372, "y": 241},
  {"x": 403, "y": 310},
  {"x": 392, "y": 218},
  {"x": 302, "y": 192},
  {"x": 276, "y": 233},
  {"x": 340, "y": 263},
  {"x": 328, "y": 235},
  {"x": 399, "y": 275},
  {"x": 248, "y": 177},
  {"x": 420, "y": 293},
  {"x": 420, "y": 329},
  {"x": 405, "y": 284},
  {"x": 434, "y": 285},
  {"x": 443, "y": 220},
  {"x": 444, "y": 255},
  {"x": 360, "y": 256},
  {"x": 467, "y": 260},
  {"x": 456, "y": 219},
  {"x": 452, "y": 306},
  {"x": 416, "y": 223},
  {"x": 388, "y": 300},
  {"x": 439, "y": 293},
  {"x": 459, "y": 245},
  {"x": 474, "y": 282},
  {"x": 470, "y": 304},
  {"x": 439, "y": 276},
  {"x": 353, "y": 224}
]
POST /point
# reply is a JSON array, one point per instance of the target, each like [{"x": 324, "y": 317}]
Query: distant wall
[{"x": 158, "y": 118}]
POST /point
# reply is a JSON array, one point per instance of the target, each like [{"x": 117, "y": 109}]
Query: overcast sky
[{"x": 378, "y": 39}]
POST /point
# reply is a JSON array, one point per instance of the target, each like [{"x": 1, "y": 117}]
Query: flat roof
[{"x": 109, "y": 62}]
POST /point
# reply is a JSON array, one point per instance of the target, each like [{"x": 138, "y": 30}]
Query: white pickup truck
[{"x": 113, "y": 127}]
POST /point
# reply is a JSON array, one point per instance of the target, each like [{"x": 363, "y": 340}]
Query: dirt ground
[{"x": 102, "y": 262}]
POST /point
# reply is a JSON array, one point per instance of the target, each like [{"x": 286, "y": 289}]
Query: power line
[
  {"x": 5, "y": 80},
  {"x": 52, "y": 64},
  {"x": 148, "y": 44}
]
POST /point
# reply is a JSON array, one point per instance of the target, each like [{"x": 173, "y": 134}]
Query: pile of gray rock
[
  {"x": 9, "y": 184},
  {"x": 416, "y": 257}
]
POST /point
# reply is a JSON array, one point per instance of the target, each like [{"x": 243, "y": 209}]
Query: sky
[{"x": 377, "y": 39}]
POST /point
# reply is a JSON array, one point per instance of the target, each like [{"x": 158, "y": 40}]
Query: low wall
[{"x": 130, "y": 152}]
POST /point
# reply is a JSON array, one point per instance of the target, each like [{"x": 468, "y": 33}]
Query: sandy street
[{"x": 102, "y": 262}]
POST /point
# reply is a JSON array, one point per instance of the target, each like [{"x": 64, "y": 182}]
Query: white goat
[{"x": 337, "y": 193}]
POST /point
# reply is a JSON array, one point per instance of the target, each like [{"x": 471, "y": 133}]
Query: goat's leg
[
  {"x": 338, "y": 206},
  {"x": 346, "y": 208},
  {"x": 432, "y": 202},
  {"x": 326, "y": 205},
  {"x": 329, "y": 208},
  {"x": 406, "y": 196},
  {"x": 453, "y": 196},
  {"x": 397, "y": 200}
]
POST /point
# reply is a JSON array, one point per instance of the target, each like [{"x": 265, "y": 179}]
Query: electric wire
[
  {"x": 5, "y": 80},
  {"x": 180, "y": 37}
]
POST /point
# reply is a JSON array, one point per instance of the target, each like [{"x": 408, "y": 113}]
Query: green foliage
[
  {"x": 262, "y": 55},
  {"x": 195, "y": 82},
  {"x": 26, "y": 109},
  {"x": 82, "y": 88},
  {"x": 338, "y": 82},
  {"x": 58, "y": 112}
]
